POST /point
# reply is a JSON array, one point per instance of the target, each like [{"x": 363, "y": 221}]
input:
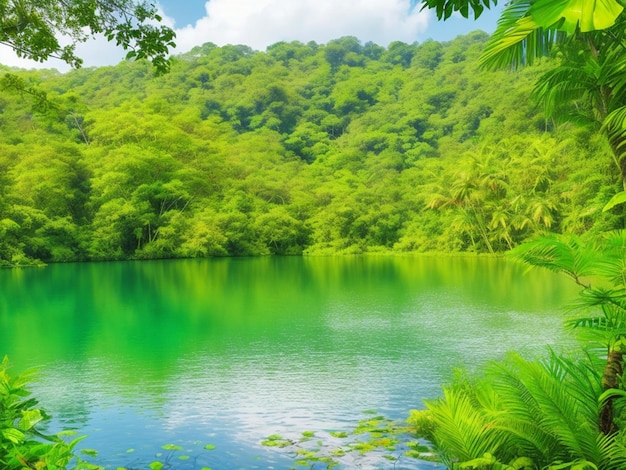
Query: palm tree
[{"x": 605, "y": 328}]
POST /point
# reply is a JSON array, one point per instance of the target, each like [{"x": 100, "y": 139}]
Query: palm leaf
[
  {"x": 521, "y": 421},
  {"x": 463, "y": 430},
  {"x": 528, "y": 30},
  {"x": 612, "y": 450},
  {"x": 554, "y": 407},
  {"x": 573, "y": 15},
  {"x": 562, "y": 414},
  {"x": 518, "y": 40},
  {"x": 565, "y": 84},
  {"x": 565, "y": 254}
]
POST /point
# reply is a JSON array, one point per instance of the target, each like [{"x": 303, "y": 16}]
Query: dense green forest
[{"x": 301, "y": 149}]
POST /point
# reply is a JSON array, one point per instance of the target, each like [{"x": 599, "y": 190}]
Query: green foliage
[
  {"x": 445, "y": 8},
  {"x": 22, "y": 445},
  {"x": 276, "y": 440},
  {"x": 560, "y": 412},
  {"x": 585, "y": 84},
  {"x": 523, "y": 414},
  {"x": 34, "y": 29},
  {"x": 303, "y": 149}
]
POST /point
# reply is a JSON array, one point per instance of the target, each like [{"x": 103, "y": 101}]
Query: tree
[
  {"x": 589, "y": 37},
  {"x": 34, "y": 29}
]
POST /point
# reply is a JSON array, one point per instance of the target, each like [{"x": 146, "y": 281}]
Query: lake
[{"x": 228, "y": 351}]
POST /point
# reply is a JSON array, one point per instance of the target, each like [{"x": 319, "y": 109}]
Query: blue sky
[{"x": 260, "y": 23}]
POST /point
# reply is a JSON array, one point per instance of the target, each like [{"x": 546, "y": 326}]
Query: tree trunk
[{"x": 610, "y": 379}]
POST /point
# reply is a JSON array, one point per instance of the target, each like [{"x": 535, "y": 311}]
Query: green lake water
[{"x": 228, "y": 351}]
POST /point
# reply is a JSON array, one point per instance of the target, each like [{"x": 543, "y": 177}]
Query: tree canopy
[
  {"x": 587, "y": 81},
  {"x": 37, "y": 30},
  {"x": 305, "y": 148}
]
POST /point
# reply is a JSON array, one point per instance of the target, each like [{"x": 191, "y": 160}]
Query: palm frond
[
  {"x": 565, "y": 254},
  {"x": 613, "y": 71},
  {"x": 528, "y": 30},
  {"x": 521, "y": 421},
  {"x": 558, "y": 411},
  {"x": 564, "y": 84},
  {"x": 463, "y": 429},
  {"x": 612, "y": 301},
  {"x": 614, "y": 121},
  {"x": 613, "y": 451},
  {"x": 573, "y": 15},
  {"x": 546, "y": 411},
  {"x": 518, "y": 40}
]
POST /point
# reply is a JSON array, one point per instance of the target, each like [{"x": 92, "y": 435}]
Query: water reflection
[{"x": 228, "y": 351}]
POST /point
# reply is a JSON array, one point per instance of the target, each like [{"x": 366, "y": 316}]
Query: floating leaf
[
  {"x": 308, "y": 434},
  {"x": 305, "y": 454},
  {"x": 363, "y": 447},
  {"x": 418, "y": 446},
  {"x": 209, "y": 446},
  {"x": 183, "y": 457},
  {"x": 276, "y": 440},
  {"x": 339, "y": 434},
  {"x": 156, "y": 465},
  {"x": 130, "y": 450},
  {"x": 171, "y": 447},
  {"x": 414, "y": 454}
]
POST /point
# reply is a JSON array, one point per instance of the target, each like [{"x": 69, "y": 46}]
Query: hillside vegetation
[{"x": 302, "y": 149}]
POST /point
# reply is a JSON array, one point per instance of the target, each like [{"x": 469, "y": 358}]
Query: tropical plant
[
  {"x": 587, "y": 84},
  {"x": 22, "y": 444},
  {"x": 604, "y": 261},
  {"x": 561, "y": 412},
  {"x": 522, "y": 414},
  {"x": 501, "y": 193}
]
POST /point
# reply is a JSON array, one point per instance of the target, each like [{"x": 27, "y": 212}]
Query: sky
[{"x": 260, "y": 23}]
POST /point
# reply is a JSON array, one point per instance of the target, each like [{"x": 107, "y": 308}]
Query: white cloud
[
  {"x": 94, "y": 52},
  {"x": 259, "y": 23}
]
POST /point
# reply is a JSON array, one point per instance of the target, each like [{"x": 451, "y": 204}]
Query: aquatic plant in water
[{"x": 373, "y": 439}]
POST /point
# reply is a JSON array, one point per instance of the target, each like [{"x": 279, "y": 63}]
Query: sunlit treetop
[{"x": 43, "y": 29}]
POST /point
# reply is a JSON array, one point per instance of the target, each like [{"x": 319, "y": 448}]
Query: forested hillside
[{"x": 302, "y": 149}]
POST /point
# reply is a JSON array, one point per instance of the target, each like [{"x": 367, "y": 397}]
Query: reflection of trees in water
[{"x": 247, "y": 344}]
